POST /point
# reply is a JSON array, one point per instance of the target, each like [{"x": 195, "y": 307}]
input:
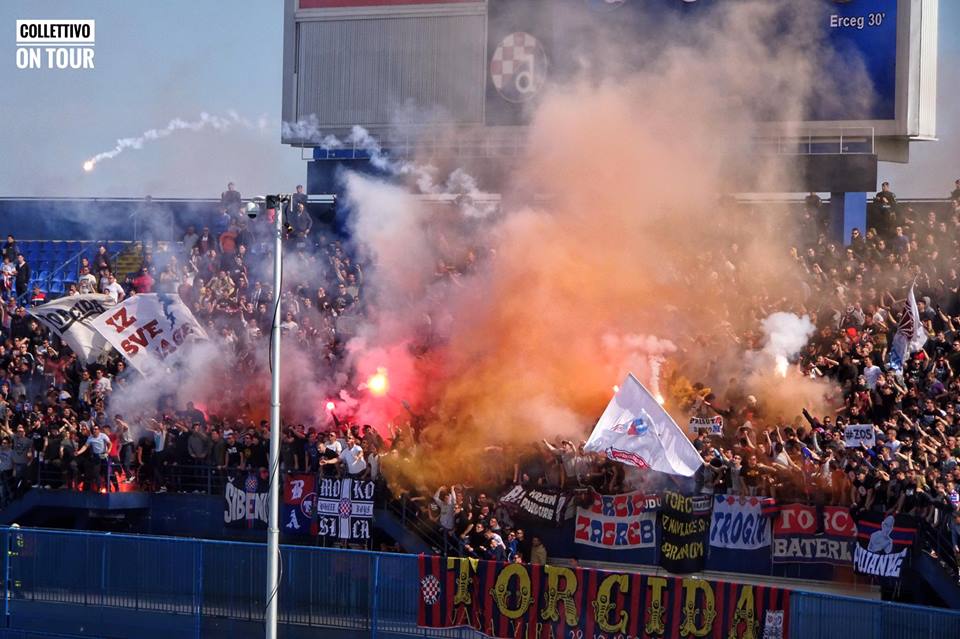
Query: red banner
[
  {"x": 536, "y": 602},
  {"x": 802, "y": 534},
  {"x": 299, "y": 515},
  {"x": 803, "y": 520}
]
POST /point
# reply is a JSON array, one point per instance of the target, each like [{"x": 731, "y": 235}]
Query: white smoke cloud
[
  {"x": 786, "y": 333},
  {"x": 472, "y": 201}
]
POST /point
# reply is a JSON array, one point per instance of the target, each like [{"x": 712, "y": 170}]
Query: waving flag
[
  {"x": 910, "y": 336},
  {"x": 148, "y": 328},
  {"x": 635, "y": 430},
  {"x": 71, "y": 319}
]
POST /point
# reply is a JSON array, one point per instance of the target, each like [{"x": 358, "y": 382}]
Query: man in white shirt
[
  {"x": 113, "y": 289},
  {"x": 98, "y": 443},
  {"x": 892, "y": 442},
  {"x": 352, "y": 458},
  {"x": 87, "y": 282},
  {"x": 871, "y": 372},
  {"x": 102, "y": 385},
  {"x": 333, "y": 443}
]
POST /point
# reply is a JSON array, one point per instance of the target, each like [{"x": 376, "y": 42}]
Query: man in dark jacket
[
  {"x": 10, "y": 249},
  {"x": 23, "y": 275}
]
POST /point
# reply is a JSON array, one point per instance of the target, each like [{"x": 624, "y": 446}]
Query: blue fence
[{"x": 64, "y": 583}]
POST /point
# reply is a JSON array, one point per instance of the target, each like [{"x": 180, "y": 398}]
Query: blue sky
[{"x": 177, "y": 58}]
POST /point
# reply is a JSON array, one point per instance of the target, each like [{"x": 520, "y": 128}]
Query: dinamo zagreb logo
[
  {"x": 519, "y": 67},
  {"x": 638, "y": 426}
]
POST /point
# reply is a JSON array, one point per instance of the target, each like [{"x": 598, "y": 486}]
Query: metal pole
[
  {"x": 273, "y": 525},
  {"x": 376, "y": 597}
]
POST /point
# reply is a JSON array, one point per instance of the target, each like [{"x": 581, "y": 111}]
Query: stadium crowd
[
  {"x": 855, "y": 295},
  {"x": 57, "y": 430}
]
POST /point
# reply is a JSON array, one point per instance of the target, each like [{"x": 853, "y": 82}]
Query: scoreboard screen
[{"x": 484, "y": 63}]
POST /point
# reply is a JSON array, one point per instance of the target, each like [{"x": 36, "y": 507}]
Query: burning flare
[
  {"x": 88, "y": 165},
  {"x": 781, "y": 366},
  {"x": 378, "y": 384}
]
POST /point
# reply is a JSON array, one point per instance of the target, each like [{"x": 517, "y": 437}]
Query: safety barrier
[{"x": 67, "y": 583}]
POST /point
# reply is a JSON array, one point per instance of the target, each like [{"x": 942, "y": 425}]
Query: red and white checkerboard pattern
[
  {"x": 518, "y": 52},
  {"x": 430, "y": 588}
]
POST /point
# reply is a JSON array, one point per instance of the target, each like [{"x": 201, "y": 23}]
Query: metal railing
[
  {"x": 411, "y": 517},
  {"x": 85, "y": 473},
  {"x": 936, "y": 541},
  {"x": 105, "y": 585}
]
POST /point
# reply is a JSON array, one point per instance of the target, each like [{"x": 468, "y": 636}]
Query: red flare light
[
  {"x": 330, "y": 406},
  {"x": 378, "y": 384}
]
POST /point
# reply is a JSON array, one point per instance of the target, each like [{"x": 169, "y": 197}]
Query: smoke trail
[
  {"x": 642, "y": 355},
  {"x": 207, "y": 121}
]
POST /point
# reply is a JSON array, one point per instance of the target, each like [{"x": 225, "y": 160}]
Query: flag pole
[{"x": 273, "y": 524}]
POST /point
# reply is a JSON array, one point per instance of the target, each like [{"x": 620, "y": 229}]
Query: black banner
[
  {"x": 684, "y": 526},
  {"x": 345, "y": 509},
  {"x": 548, "y": 506},
  {"x": 883, "y": 543}
]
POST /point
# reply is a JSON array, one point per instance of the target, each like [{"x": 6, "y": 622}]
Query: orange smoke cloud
[{"x": 632, "y": 241}]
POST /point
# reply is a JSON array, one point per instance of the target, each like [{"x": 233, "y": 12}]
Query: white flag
[
  {"x": 149, "y": 328},
  {"x": 635, "y": 430},
  {"x": 71, "y": 318},
  {"x": 910, "y": 336}
]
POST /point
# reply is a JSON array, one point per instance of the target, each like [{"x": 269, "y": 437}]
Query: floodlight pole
[{"x": 273, "y": 524}]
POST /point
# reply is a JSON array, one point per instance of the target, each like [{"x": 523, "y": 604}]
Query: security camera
[{"x": 253, "y": 208}]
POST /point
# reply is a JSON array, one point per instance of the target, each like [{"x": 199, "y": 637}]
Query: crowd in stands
[
  {"x": 56, "y": 429},
  {"x": 855, "y": 295},
  {"x": 56, "y": 426}
]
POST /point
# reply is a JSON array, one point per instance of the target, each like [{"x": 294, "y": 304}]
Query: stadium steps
[
  {"x": 128, "y": 261},
  {"x": 937, "y": 577},
  {"x": 408, "y": 540}
]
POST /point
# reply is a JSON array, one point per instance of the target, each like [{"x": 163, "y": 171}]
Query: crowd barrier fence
[{"x": 71, "y": 584}]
